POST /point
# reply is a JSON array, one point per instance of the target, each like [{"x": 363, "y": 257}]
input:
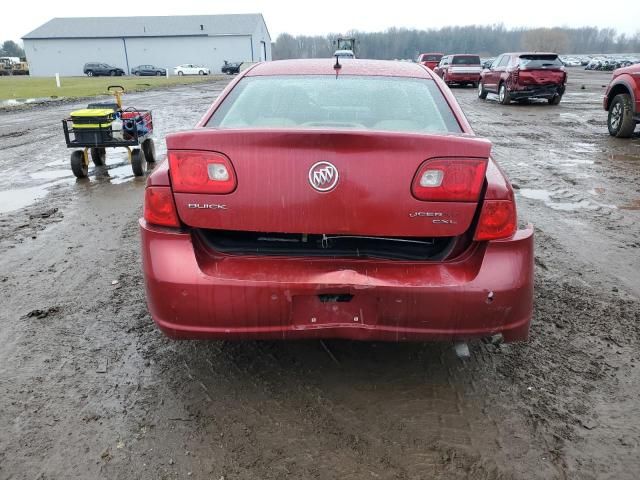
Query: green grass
[{"x": 24, "y": 87}]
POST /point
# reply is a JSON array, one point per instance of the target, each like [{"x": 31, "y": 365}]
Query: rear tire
[
  {"x": 504, "y": 95},
  {"x": 89, "y": 73},
  {"x": 113, "y": 73},
  {"x": 158, "y": 74},
  {"x": 78, "y": 166},
  {"x": 555, "y": 100},
  {"x": 201, "y": 72},
  {"x": 482, "y": 93},
  {"x": 99, "y": 156},
  {"x": 620, "y": 120},
  {"x": 180, "y": 73},
  {"x": 138, "y": 162},
  {"x": 149, "y": 150}
]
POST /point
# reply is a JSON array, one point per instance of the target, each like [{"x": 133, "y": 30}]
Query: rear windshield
[
  {"x": 431, "y": 58},
  {"x": 345, "y": 102},
  {"x": 466, "y": 60},
  {"x": 539, "y": 61}
]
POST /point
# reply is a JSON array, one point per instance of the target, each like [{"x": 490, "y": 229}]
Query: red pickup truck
[
  {"x": 521, "y": 76},
  {"x": 622, "y": 101},
  {"x": 430, "y": 60}
]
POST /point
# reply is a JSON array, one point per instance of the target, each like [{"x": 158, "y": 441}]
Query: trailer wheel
[
  {"x": 99, "y": 156},
  {"x": 138, "y": 162},
  {"x": 78, "y": 165},
  {"x": 149, "y": 150}
]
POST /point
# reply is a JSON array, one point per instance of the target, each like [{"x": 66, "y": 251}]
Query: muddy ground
[{"x": 90, "y": 389}]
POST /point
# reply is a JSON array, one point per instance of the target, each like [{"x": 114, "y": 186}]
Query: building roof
[
  {"x": 169, "y": 26},
  {"x": 324, "y": 66}
]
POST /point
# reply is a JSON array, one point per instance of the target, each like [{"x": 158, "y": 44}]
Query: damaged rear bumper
[
  {"x": 539, "y": 91},
  {"x": 193, "y": 292}
]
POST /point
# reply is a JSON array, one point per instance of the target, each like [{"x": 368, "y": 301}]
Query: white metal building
[{"x": 64, "y": 45}]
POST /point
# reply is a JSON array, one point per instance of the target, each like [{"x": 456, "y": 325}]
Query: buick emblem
[{"x": 323, "y": 176}]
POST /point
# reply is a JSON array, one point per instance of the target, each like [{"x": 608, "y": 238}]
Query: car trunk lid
[{"x": 372, "y": 195}]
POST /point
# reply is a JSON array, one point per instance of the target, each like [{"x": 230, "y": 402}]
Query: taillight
[
  {"x": 194, "y": 171},
  {"x": 159, "y": 208},
  {"x": 449, "y": 180},
  {"x": 498, "y": 219}
]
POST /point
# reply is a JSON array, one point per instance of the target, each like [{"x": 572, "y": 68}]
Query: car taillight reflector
[
  {"x": 449, "y": 180},
  {"x": 498, "y": 219},
  {"x": 159, "y": 207},
  {"x": 194, "y": 171}
]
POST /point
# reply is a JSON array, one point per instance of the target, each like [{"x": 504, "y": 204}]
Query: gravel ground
[{"x": 91, "y": 389}]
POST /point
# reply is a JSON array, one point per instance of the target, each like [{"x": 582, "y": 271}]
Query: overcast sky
[{"x": 323, "y": 16}]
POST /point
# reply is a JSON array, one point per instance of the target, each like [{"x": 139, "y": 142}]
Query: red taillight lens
[
  {"x": 159, "y": 208},
  {"x": 449, "y": 180},
  {"x": 194, "y": 171},
  {"x": 498, "y": 219}
]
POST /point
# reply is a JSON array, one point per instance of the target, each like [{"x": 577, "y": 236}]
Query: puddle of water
[
  {"x": 21, "y": 101},
  {"x": 545, "y": 197},
  {"x": 583, "y": 147},
  {"x": 51, "y": 174},
  {"x": 11, "y": 200}
]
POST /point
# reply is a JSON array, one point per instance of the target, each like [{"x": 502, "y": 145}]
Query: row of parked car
[
  {"x": 513, "y": 76},
  {"x": 96, "y": 69},
  {"x": 526, "y": 75}
]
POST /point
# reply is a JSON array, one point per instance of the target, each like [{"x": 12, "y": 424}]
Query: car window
[
  {"x": 349, "y": 102},
  {"x": 466, "y": 60},
  {"x": 431, "y": 58},
  {"x": 539, "y": 61},
  {"x": 505, "y": 61},
  {"x": 497, "y": 61}
]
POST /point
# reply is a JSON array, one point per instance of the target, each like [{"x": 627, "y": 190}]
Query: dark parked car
[
  {"x": 101, "y": 69},
  {"x": 231, "y": 68},
  {"x": 521, "y": 76},
  {"x": 409, "y": 228},
  {"x": 148, "y": 70},
  {"x": 622, "y": 101}
]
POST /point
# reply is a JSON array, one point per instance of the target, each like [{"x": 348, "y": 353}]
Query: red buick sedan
[{"x": 315, "y": 202}]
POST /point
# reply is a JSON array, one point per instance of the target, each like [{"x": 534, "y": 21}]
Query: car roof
[
  {"x": 324, "y": 66},
  {"x": 528, "y": 53}
]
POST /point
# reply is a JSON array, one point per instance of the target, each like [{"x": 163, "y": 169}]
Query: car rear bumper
[
  {"x": 195, "y": 293},
  {"x": 463, "y": 77},
  {"x": 537, "y": 91}
]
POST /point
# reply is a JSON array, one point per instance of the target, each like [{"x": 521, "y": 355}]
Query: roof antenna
[{"x": 337, "y": 66}]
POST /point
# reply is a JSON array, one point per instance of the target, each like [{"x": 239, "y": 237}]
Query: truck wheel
[
  {"x": 78, "y": 166},
  {"x": 555, "y": 100},
  {"x": 99, "y": 156},
  {"x": 149, "y": 150},
  {"x": 504, "y": 95},
  {"x": 138, "y": 162},
  {"x": 482, "y": 93},
  {"x": 620, "y": 120}
]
